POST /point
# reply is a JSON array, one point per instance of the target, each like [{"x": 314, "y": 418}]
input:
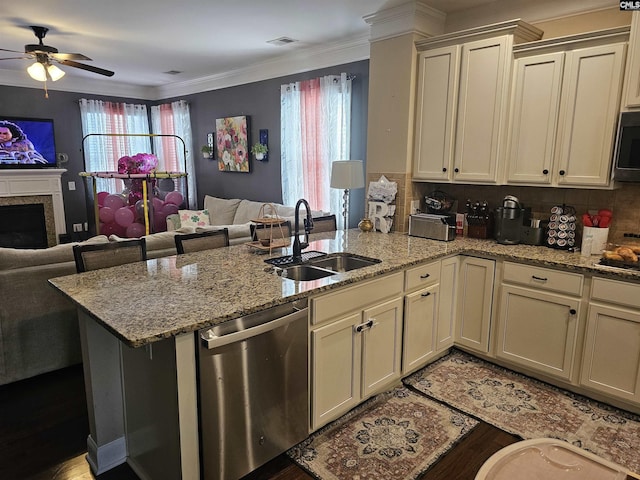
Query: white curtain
[
  {"x": 315, "y": 130},
  {"x": 174, "y": 119},
  {"x": 101, "y": 152}
]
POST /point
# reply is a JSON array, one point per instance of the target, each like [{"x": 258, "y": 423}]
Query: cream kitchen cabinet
[
  {"x": 356, "y": 343},
  {"x": 429, "y": 312},
  {"x": 420, "y": 330},
  {"x": 538, "y": 327},
  {"x": 632, "y": 84},
  {"x": 611, "y": 356},
  {"x": 474, "y": 307},
  {"x": 564, "y": 109},
  {"x": 463, "y": 90},
  {"x": 438, "y": 72}
]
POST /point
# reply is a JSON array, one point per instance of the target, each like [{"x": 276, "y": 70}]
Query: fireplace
[
  {"x": 38, "y": 186},
  {"x": 23, "y": 226}
]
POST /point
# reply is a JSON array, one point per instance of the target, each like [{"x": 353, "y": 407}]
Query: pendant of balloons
[{"x": 123, "y": 213}]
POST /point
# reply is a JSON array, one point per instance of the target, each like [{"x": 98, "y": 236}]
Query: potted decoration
[
  {"x": 259, "y": 150},
  {"x": 207, "y": 151}
]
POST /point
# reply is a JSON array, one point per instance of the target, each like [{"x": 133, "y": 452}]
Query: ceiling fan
[{"x": 45, "y": 56}]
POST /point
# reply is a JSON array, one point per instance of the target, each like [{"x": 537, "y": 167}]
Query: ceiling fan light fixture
[
  {"x": 55, "y": 73},
  {"x": 37, "y": 72}
]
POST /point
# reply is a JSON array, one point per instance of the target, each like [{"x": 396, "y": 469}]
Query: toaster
[{"x": 434, "y": 227}]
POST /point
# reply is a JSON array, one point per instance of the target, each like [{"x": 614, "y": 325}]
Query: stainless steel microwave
[{"x": 626, "y": 160}]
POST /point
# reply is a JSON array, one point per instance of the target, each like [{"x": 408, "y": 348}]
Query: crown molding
[
  {"x": 302, "y": 60},
  {"x": 411, "y": 17}
]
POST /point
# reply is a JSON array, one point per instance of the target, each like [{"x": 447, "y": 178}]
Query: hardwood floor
[{"x": 44, "y": 428}]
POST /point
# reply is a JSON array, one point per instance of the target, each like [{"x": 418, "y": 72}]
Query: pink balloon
[
  {"x": 135, "y": 230},
  {"x": 101, "y": 196},
  {"x": 107, "y": 229},
  {"x": 119, "y": 230},
  {"x": 124, "y": 216},
  {"x": 174, "y": 197},
  {"x": 113, "y": 201},
  {"x": 157, "y": 203},
  {"x": 159, "y": 222},
  {"x": 169, "y": 209},
  {"x": 106, "y": 214}
]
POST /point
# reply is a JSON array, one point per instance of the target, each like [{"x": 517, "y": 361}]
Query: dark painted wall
[{"x": 260, "y": 101}]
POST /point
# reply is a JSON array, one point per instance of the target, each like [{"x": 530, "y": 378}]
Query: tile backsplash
[{"x": 623, "y": 201}]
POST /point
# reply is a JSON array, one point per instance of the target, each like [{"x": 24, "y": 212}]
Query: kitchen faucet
[{"x": 308, "y": 226}]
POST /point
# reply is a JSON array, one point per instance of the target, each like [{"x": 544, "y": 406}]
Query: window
[
  {"x": 101, "y": 152},
  {"x": 315, "y": 130}
]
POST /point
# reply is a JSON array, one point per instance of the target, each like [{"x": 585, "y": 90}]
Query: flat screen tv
[{"x": 27, "y": 143}]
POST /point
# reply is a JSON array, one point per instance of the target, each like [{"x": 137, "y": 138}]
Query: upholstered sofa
[
  {"x": 39, "y": 326},
  {"x": 236, "y": 215}
]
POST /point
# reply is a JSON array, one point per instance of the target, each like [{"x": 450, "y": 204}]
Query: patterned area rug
[
  {"x": 394, "y": 436},
  {"x": 529, "y": 408}
]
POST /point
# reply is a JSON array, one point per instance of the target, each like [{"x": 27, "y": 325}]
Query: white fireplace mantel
[{"x": 45, "y": 181}]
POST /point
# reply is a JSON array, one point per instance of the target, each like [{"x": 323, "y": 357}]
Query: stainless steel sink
[
  {"x": 343, "y": 262},
  {"x": 303, "y": 273},
  {"x": 325, "y": 266}
]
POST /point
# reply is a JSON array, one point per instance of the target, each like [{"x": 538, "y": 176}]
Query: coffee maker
[{"x": 509, "y": 219}]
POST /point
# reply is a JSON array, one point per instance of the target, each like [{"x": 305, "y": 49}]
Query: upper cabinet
[
  {"x": 462, "y": 96},
  {"x": 632, "y": 97},
  {"x": 564, "y": 108}
]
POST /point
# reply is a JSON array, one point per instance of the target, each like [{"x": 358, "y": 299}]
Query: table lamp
[{"x": 347, "y": 174}]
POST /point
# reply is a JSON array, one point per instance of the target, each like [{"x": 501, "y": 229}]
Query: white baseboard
[{"x": 107, "y": 456}]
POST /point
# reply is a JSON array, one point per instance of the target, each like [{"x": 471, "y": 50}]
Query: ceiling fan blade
[
  {"x": 70, "y": 56},
  {"x": 14, "y": 58},
  {"x": 12, "y": 51},
  {"x": 88, "y": 68}
]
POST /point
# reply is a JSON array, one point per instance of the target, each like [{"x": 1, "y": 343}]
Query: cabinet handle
[
  {"x": 542, "y": 279},
  {"x": 425, "y": 294},
  {"x": 444, "y": 169},
  {"x": 426, "y": 275},
  {"x": 545, "y": 171},
  {"x": 456, "y": 170},
  {"x": 561, "y": 172},
  {"x": 362, "y": 326},
  {"x": 572, "y": 311}
]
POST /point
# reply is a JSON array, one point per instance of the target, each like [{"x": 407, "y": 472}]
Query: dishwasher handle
[{"x": 211, "y": 340}]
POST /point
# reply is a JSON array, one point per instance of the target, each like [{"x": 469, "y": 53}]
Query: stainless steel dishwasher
[{"x": 254, "y": 400}]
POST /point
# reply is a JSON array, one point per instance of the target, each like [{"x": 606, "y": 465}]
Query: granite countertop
[{"x": 160, "y": 298}]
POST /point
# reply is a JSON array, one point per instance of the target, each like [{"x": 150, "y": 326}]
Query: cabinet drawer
[
  {"x": 422, "y": 276},
  {"x": 544, "y": 278},
  {"x": 341, "y": 302},
  {"x": 612, "y": 291}
]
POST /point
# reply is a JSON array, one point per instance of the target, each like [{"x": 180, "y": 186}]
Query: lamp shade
[
  {"x": 55, "y": 73},
  {"x": 37, "y": 72},
  {"x": 347, "y": 174}
]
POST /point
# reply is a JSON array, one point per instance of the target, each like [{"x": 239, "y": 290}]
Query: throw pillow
[
  {"x": 221, "y": 210},
  {"x": 194, "y": 218}
]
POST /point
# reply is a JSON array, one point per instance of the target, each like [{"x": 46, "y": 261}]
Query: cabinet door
[
  {"x": 474, "y": 303},
  {"x": 538, "y": 330},
  {"x": 336, "y": 364},
  {"x": 481, "y": 101},
  {"x": 534, "y": 117},
  {"x": 381, "y": 346},
  {"x": 435, "y": 112},
  {"x": 447, "y": 303},
  {"x": 588, "y": 114},
  {"x": 611, "y": 358},
  {"x": 633, "y": 64},
  {"x": 420, "y": 328}
]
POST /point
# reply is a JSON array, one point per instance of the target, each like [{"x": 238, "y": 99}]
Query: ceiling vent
[{"x": 282, "y": 41}]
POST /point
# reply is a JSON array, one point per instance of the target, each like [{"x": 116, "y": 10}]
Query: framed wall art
[{"x": 232, "y": 144}]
